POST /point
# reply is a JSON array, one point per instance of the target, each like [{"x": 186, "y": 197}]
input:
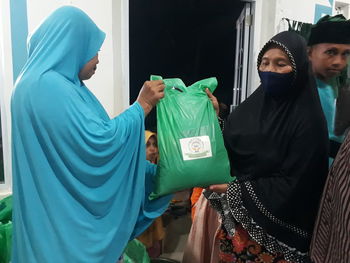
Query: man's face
[{"x": 328, "y": 59}]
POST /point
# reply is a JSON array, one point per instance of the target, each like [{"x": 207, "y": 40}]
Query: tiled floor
[
  {"x": 177, "y": 230},
  {"x": 176, "y": 237}
]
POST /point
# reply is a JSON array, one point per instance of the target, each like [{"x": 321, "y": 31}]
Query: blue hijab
[{"x": 80, "y": 179}]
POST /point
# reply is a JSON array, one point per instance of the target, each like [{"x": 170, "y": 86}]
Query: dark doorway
[{"x": 187, "y": 39}]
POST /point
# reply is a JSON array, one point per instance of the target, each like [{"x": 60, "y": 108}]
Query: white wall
[
  {"x": 110, "y": 83},
  {"x": 271, "y": 13},
  {"x": 298, "y": 10},
  {"x": 6, "y": 80},
  {"x": 120, "y": 32},
  {"x": 343, "y": 7},
  {"x": 263, "y": 28},
  {"x": 268, "y": 21}
]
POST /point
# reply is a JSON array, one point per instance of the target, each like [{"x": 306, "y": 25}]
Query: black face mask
[{"x": 276, "y": 84}]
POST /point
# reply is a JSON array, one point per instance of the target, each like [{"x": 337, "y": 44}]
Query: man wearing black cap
[{"x": 329, "y": 50}]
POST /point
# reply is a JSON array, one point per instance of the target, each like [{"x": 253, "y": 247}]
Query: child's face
[{"x": 152, "y": 149}]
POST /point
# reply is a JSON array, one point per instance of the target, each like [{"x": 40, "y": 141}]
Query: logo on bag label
[{"x": 195, "y": 148}]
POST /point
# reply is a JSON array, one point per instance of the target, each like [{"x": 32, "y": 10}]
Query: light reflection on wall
[{"x": 1, "y": 157}]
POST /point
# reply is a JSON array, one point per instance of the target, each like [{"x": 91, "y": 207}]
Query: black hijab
[{"x": 278, "y": 150}]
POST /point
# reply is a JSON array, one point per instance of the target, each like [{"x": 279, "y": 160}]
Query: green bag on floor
[
  {"x": 6, "y": 209},
  {"x": 5, "y": 242},
  {"x": 5, "y": 229},
  {"x": 135, "y": 252},
  {"x": 190, "y": 142}
]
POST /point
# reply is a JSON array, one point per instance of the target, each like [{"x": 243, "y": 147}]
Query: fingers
[
  {"x": 156, "y": 87},
  {"x": 210, "y": 95},
  {"x": 156, "y": 82},
  {"x": 151, "y": 92},
  {"x": 218, "y": 188},
  {"x": 160, "y": 88},
  {"x": 214, "y": 100}
]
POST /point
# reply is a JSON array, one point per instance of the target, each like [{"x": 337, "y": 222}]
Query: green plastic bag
[
  {"x": 190, "y": 142},
  {"x": 135, "y": 252},
  {"x": 5, "y": 242},
  {"x": 5, "y": 229},
  {"x": 6, "y": 209}
]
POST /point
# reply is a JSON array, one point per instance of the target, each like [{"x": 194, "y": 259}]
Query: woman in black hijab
[{"x": 277, "y": 145}]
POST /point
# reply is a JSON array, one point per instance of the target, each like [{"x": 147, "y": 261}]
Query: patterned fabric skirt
[{"x": 241, "y": 248}]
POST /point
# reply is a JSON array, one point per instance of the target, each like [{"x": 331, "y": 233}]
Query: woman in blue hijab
[{"x": 80, "y": 179}]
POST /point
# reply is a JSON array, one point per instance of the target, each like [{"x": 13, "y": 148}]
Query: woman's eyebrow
[{"x": 282, "y": 58}]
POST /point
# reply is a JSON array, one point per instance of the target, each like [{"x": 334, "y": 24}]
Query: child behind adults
[
  {"x": 80, "y": 179},
  {"x": 153, "y": 235}
]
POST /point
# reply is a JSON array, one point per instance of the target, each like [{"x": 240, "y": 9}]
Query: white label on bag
[{"x": 195, "y": 148}]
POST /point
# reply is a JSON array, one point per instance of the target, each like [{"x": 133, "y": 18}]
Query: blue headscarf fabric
[
  {"x": 80, "y": 179},
  {"x": 328, "y": 96}
]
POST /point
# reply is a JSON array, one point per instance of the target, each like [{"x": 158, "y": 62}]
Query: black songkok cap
[{"x": 330, "y": 29}]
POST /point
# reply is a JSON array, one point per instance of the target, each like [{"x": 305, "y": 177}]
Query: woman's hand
[
  {"x": 218, "y": 188},
  {"x": 214, "y": 100},
  {"x": 151, "y": 92}
]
